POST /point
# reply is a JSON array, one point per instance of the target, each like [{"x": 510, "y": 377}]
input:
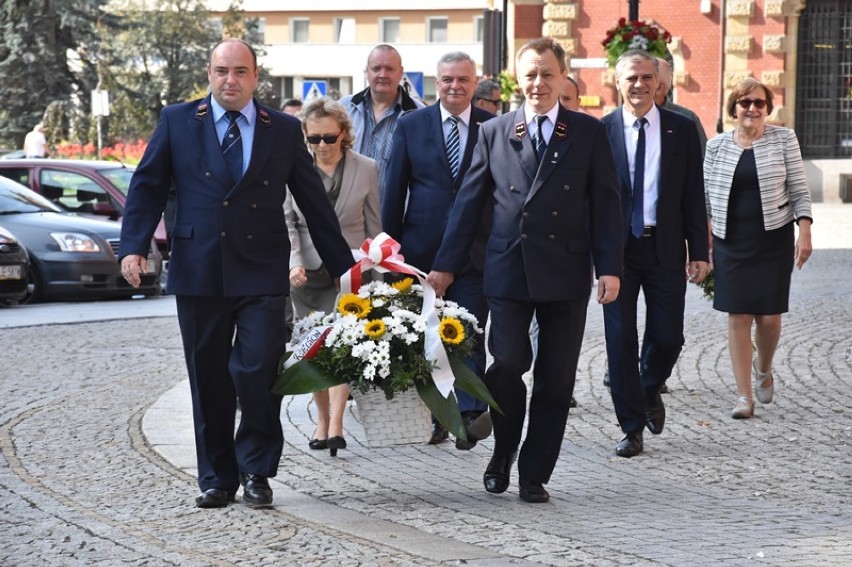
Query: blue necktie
[
  {"x": 453, "y": 145},
  {"x": 540, "y": 145},
  {"x": 232, "y": 146},
  {"x": 637, "y": 220}
]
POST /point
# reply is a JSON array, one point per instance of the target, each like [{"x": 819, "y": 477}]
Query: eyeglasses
[
  {"x": 494, "y": 101},
  {"x": 745, "y": 103},
  {"x": 329, "y": 139}
]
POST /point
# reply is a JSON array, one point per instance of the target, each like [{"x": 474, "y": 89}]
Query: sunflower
[
  {"x": 375, "y": 329},
  {"x": 451, "y": 330},
  {"x": 351, "y": 304},
  {"x": 403, "y": 285}
]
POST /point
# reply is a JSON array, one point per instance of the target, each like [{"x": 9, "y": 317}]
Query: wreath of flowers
[
  {"x": 638, "y": 34},
  {"x": 376, "y": 337}
]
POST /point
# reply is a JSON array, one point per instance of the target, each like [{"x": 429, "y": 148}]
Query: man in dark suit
[
  {"x": 658, "y": 158},
  {"x": 431, "y": 152},
  {"x": 549, "y": 175},
  {"x": 231, "y": 161}
]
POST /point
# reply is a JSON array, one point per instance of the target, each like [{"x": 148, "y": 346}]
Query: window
[
  {"x": 259, "y": 33},
  {"x": 299, "y": 30},
  {"x": 71, "y": 191},
  {"x": 436, "y": 30},
  {"x": 344, "y": 30},
  {"x": 389, "y": 30},
  {"x": 478, "y": 29},
  {"x": 824, "y": 82},
  {"x": 20, "y": 175}
]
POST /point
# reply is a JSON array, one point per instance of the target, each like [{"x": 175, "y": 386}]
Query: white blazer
[{"x": 784, "y": 192}]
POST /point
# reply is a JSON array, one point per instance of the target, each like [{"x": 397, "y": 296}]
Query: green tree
[{"x": 36, "y": 38}]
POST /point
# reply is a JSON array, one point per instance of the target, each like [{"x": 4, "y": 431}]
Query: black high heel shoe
[
  {"x": 335, "y": 443},
  {"x": 318, "y": 444}
]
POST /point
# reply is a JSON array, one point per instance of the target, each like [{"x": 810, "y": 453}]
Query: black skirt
[{"x": 752, "y": 266}]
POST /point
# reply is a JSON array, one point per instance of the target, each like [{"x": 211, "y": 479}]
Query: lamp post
[{"x": 633, "y": 11}]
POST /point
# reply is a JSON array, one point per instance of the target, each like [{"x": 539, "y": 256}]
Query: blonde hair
[{"x": 327, "y": 107}]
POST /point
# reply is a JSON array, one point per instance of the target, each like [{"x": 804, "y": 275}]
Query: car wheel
[{"x": 35, "y": 290}]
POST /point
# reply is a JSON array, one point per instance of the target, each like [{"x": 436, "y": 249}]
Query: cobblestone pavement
[{"x": 96, "y": 462}]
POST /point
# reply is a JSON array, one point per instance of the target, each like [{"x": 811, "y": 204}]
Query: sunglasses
[
  {"x": 745, "y": 103},
  {"x": 329, "y": 139},
  {"x": 492, "y": 100}
]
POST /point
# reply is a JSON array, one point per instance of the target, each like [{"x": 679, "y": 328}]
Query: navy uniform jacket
[
  {"x": 420, "y": 189},
  {"x": 681, "y": 214},
  {"x": 229, "y": 240},
  {"x": 550, "y": 224}
]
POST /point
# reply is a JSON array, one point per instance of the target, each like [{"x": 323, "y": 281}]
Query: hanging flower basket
[{"x": 638, "y": 34}]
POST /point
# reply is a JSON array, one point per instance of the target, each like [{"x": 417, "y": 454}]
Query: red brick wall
[
  {"x": 701, "y": 48},
  {"x": 528, "y": 22}
]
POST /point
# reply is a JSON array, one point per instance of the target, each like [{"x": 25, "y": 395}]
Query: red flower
[
  {"x": 622, "y": 22},
  {"x": 627, "y": 36}
]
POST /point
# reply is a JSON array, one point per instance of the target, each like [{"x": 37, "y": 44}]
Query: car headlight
[{"x": 75, "y": 242}]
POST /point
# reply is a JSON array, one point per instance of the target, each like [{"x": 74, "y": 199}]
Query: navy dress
[{"x": 752, "y": 266}]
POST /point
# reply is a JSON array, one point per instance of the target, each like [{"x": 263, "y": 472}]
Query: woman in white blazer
[
  {"x": 351, "y": 182},
  {"x": 755, "y": 191}
]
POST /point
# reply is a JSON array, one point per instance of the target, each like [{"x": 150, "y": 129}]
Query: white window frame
[
  {"x": 478, "y": 29},
  {"x": 433, "y": 19},
  {"x": 383, "y": 37},
  {"x": 293, "y": 23}
]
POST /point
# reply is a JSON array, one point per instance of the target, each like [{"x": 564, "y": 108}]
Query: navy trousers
[
  {"x": 232, "y": 347},
  {"x": 632, "y": 379}
]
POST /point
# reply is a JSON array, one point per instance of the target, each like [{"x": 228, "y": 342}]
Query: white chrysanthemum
[{"x": 639, "y": 42}]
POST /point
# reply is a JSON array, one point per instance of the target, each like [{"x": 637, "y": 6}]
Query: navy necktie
[
  {"x": 232, "y": 146},
  {"x": 453, "y": 145},
  {"x": 637, "y": 220},
  {"x": 540, "y": 144}
]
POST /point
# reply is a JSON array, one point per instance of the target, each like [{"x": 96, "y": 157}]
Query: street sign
[
  {"x": 313, "y": 89},
  {"x": 414, "y": 81},
  {"x": 100, "y": 103}
]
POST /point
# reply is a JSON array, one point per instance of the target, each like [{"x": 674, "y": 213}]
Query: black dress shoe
[
  {"x": 477, "y": 426},
  {"x": 496, "y": 477},
  {"x": 438, "y": 433},
  {"x": 655, "y": 413},
  {"x": 664, "y": 389},
  {"x": 630, "y": 446},
  {"x": 256, "y": 491},
  {"x": 214, "y": 498},
  {"x": 572, "y": 403},
  {"x": 318, "y": 444},
  {"x": 533, "y": 492}
]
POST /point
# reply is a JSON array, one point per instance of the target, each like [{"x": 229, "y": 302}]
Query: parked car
[
  {"x": 79, "y": 186},
  {"x": 14, "y": 264},
  {"x": 71, "y": 257},
  {"x": 14, "y": 154}
]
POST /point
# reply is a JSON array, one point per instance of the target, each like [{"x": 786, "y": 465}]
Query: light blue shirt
[{"x": 246, "y": 124}]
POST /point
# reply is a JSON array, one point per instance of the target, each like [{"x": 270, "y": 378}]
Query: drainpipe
[{"x": 722, "y": 27}]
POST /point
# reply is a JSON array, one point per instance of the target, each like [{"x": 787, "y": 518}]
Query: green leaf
[
  {"x": 470, "y": 383},
  {"x": 303, "y": 378},
  {"x": 445, "y": 410}
]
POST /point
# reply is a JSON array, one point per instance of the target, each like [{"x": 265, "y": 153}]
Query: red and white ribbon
[{"x": 382, "y": 254}]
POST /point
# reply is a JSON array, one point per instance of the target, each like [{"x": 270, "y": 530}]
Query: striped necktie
[
  {"x": 232, "y": 146},
  {"x": 453, "y": 145},
  {"x": 540, "y": 144}
]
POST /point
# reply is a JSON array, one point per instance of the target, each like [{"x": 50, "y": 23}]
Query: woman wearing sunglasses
[
  {"x": 351, "y": 182},
  {"x": 755, "y": 191}
]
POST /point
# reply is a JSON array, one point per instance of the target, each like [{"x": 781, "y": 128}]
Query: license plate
[{"x": 10, "y": 273}]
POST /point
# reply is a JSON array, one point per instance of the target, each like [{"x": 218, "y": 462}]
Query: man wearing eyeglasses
[
  {"x": 432, "y": 149},
  {"x": 658, "y": 159},
  {"x": 488, "y": 96},
  {"x": 231, "y": 161}
]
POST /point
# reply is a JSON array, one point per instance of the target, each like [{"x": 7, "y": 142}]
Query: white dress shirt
[{"x": 652, "y": 157}]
